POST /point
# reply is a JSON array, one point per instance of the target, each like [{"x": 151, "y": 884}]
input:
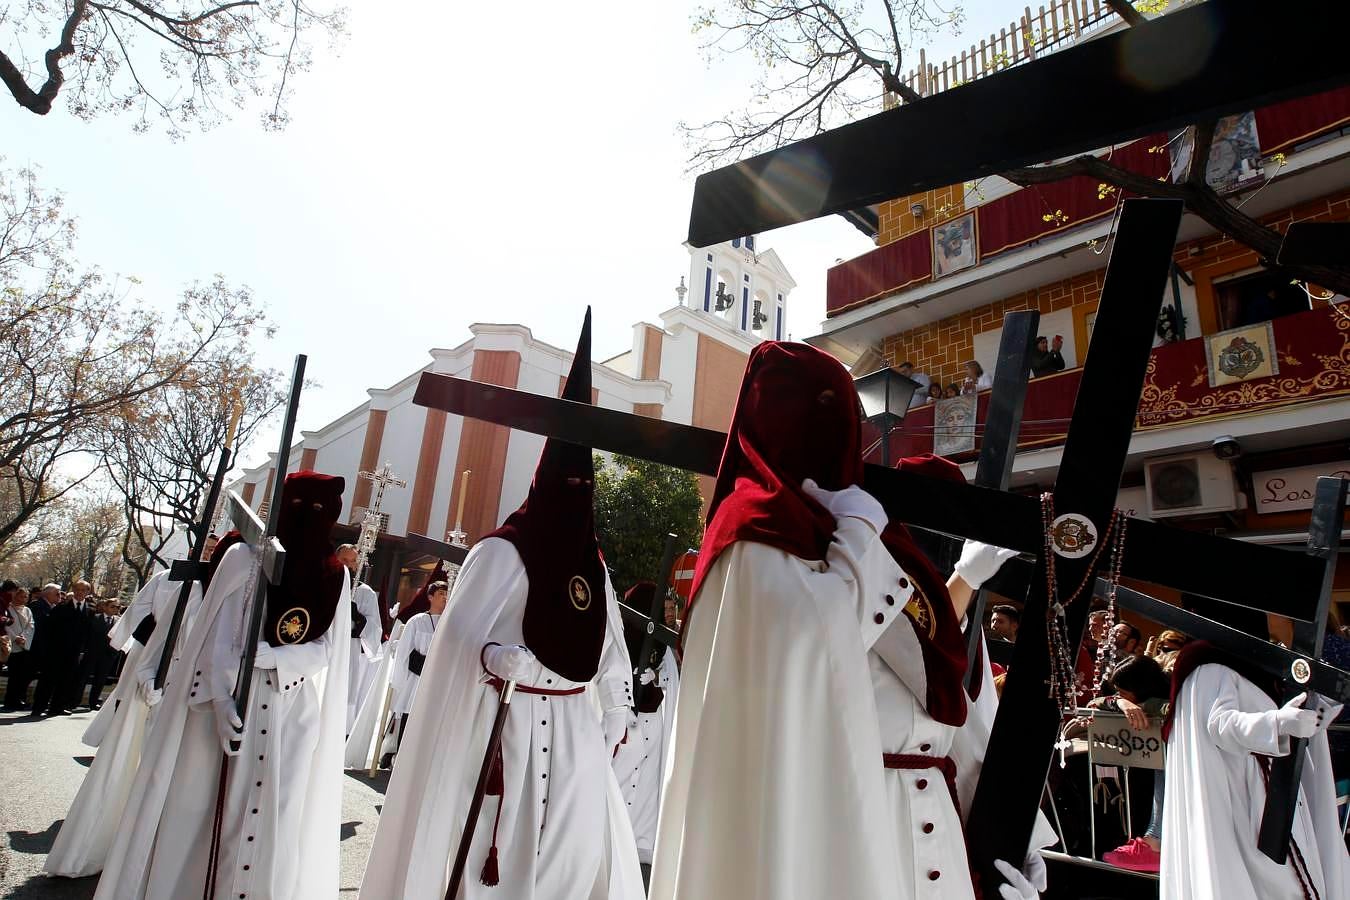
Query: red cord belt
[{"x": 943, "y": 764}]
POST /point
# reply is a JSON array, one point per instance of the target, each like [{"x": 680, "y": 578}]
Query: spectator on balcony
[
  {"x": 906, "y": 369},
  {"x": 951, "y": 390},
  {"x": 1045, "y": 358},
  {"x": 934, "y": 392},
  {"x": 976, "y": 380}
]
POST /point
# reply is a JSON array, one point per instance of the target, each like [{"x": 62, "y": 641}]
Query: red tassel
[{"x": 489, "y": 874}]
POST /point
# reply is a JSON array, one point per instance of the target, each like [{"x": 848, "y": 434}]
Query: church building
[{"x": 686, "y": 369}]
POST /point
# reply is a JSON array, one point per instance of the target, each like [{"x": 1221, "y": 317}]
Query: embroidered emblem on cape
[
  {"x": 920, "y": 611},
  {"x": 1240, "y": 358},
  {"x": 580, "y": 592},
  {"x": 1073, "y": 535},
  {"x": 293, "y": 625}
]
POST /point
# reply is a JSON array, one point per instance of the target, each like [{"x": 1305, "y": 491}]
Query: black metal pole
[{"x": 480, "y": 789}]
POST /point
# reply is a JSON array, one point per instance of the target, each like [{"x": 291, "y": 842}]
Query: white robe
[
  {"x": 554, "y": 762},
  {"x": 774, "y": 786},
  {"x": 95, "y": 816},
  {"x": 416, "y": 637},
  {"x": 365, "y": 730},
  {"x": 281, "y": 822},
  {"x": 1215, "y": 799},
  {"x": 364, "y": 650},
  {"x": 638, "y": 764}
]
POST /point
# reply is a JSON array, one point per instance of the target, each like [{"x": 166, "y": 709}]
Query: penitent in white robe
[
  {"x": 416, "y": 637},
  {"x": 95, "y": 816},
  {"x": 281, "y": 822},
  {"x": 361, "y": 742},
  {"x": 1216, "y": 795},
  {"x": 365, "y": 648},
  {"x": 774, "y": 786},
  {"x": 639, "y": 763},
  {"x": 563, "y": 834}
]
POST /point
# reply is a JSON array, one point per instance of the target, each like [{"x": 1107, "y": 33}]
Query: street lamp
[{"x": 885, "y": 396}]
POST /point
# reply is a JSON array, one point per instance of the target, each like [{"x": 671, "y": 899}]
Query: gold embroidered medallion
[
  {"x": 293, "y": 625},
  {"x": 580, "y": 592}
]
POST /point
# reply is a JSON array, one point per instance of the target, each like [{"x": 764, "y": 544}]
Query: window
[
  {"x": 750, "y": 243},
  {"x": 1258, "y": 297},
  {"x": 736, "y": 242}
]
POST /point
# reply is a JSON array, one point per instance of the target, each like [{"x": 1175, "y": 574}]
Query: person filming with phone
[{"x": 1047, "y": 358}]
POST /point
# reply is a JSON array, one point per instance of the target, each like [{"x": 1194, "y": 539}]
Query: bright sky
[{"x": 451, "y": 165}]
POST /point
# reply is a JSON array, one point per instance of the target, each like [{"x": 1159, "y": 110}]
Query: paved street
[{"x": 43, "y": 765}]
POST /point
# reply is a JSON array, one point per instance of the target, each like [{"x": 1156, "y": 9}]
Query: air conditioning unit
[{"x": 1189, "y": 485}]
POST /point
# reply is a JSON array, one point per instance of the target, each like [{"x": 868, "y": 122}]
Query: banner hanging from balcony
[{"x": 954, "y": 425}]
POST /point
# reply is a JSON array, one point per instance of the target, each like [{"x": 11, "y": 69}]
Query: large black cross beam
[
  {"x": 1022, "y": 741},
  {"x": 998, "y": 446},
  {"x": 1249, "y": 574},
  {"x": 1324, "y": 543},
  {"x": 420, "y": 543},
  {"x": 271, "y": 555},
  {"x": 1190, "y": 65},
  {"x": 191, "y": 569}
]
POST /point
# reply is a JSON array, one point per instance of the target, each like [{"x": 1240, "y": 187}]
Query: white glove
[
  {"x": 616, "y": 727},
  {"x": 511, "y": 663},
  {"x": 851, "y": 502},
  {"x": 1019, "y": 887},
  {"x": 980, "y": 562},
  {"x": 266, "y": 657},
  {"x": 229, "y": 727},
  {"x": 149, "y": 695},
  {"x": 1291, "y": 720},
  {"x": 647, "y": 677}
]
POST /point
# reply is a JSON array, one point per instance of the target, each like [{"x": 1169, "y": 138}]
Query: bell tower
[{"x": 744, "y": 286}]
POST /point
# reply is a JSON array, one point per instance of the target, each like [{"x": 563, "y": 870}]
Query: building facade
[
  {"x": 1247, "y": 396},
  {"x": 687, "y": 369}
]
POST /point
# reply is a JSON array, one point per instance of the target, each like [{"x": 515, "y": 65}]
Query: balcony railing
[
  {"x": 1024, "y": 216},
  {"x": 1309, "y": 353}
]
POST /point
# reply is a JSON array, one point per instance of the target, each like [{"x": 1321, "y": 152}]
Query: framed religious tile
[
  {"x": 954, "y": 425},
  {"x": 1241, "y": 354},
  {"x": 954, "y": 247}
]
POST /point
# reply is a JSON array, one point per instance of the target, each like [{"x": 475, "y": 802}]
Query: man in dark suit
[
  {"x": 61, "y": 637},
  {"x": 100, "y": 657}
]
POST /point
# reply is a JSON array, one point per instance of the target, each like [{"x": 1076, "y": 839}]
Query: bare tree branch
[{"x": 40, "y": 101}]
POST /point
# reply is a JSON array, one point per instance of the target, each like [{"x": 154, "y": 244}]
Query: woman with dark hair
[{"x": 1141, "y": 692}]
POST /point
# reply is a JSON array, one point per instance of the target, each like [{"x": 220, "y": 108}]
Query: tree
[
  {"x": 163, "y": 448},
  {"x": 637, "y": 503},
  {"x": 76, "y": 353},
  {"x": 186, "y": 63},
  {"x": 828, "y": 62},
  {"x": 83, "y": 531}
]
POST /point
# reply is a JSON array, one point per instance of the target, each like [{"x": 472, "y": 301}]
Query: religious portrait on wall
[
  {"x": 954, "y": 245},
  {"x": 1234, "y": 158},
  {"x": 954, "y": 425}
]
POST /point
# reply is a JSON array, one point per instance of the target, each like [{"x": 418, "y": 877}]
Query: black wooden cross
[
  {"x": 1190, "y": 65},
  {"x": 262, "y": 538},
  {"x": 1324, "y": 543},
  {"x": 450, "y": 553},
  {"x": 998, "y": 446},
  {"x": 652, "y": 623},
  {"x": 193, "y": 568},
  {"x": 1160, "y": 553}
]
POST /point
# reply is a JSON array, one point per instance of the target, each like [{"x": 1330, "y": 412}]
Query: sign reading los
[{"x": 1281, "y": 490}]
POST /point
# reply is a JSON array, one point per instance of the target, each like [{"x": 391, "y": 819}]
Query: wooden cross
[{"x": 262, "y": 537}]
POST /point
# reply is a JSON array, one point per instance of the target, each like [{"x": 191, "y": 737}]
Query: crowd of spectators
[
  {"x": 54, "y": 645},
  {"x": 1046, "y": 359}
]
